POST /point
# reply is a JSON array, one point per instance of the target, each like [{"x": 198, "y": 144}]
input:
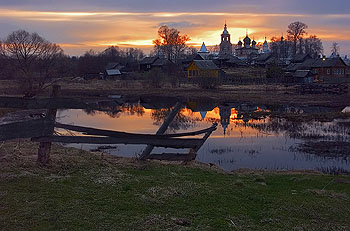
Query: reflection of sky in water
[{"x": 240, "y": 147}]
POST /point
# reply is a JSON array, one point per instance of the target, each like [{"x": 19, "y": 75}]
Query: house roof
[
  {"x": 263, "y": 57},
  {"x": 302, "y": 74},
  {"x": 309, "y": 64},
  {"x": 299, "y": 58},
  {"x": 224, "y": 56},
  {"x": 113, "y": 72},
  {"x": 149, "y": 60},
  {"x": 236, "y": 60},
  {"x": 205, "y": 65},
  {"x": 161, "y": 62},
  {"x": 190, "y": 58},
  {"x": 329, "y": 62}
]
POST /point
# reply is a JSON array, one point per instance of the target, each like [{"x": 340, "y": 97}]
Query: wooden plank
[
  {"x": 205, "y": 138},
  {"x": 167, "y": 143},
  {"x": 171, "y": 157},
  {"x": 162, "y": 129},
  {"x": 110, "y": 133},
  {"x": 25, "y": 129}
]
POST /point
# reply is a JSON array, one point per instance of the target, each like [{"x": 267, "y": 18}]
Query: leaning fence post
[
  {"x": 45, "y": 147},
  {"x": 162, "y": 129}
]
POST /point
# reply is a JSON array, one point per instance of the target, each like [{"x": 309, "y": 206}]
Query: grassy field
[{"x": 91, "y": 191}]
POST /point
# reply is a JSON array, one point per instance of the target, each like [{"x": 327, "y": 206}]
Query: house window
[
  {"x": 328, "y": 71},
  {"x": 149, "y": 66}
]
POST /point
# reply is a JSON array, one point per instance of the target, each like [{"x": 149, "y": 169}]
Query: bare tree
[
  {"x": 313, "y": 46},
  {"x": 33, "y": 57},
  {"x": 191, "y": 50},
  {"x": 214, "y": 49},
  {"x": 335, "y": 48},
  {"x": 170, "y": 42},
  {"x": 296, "y": 31}
]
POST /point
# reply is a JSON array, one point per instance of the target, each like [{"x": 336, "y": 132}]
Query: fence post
[
  {"x": 162, "y": 129},
  {"x": 45, "y": 147}
]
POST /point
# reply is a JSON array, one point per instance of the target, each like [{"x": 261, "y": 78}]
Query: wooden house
[
  {"x": 188, "y": 60},
  {"x": 157, "y": 62},
  {"x": 147, "y": 62},
  {"x": 300, "y": 58},
  {"x": 202, "y": 68},
  {"x": 330, "y": 68},
  {"x": 112, "y": 74}
]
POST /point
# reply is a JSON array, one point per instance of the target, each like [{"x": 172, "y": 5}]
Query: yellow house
[{"x": 202, "y": 68}]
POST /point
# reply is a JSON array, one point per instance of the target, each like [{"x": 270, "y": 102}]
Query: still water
[{"x": 239, "y": 142}]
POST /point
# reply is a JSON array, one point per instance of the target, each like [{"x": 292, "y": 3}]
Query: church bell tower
[{"x": 225, "y": 45}]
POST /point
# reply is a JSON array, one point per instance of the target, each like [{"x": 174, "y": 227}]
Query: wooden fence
[{"x": 42, "y": 130}]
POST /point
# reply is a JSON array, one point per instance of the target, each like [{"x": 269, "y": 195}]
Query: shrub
[{"x": 207, "y": 82}]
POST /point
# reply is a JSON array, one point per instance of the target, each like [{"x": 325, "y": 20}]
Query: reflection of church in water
[
  {"x": 225, "y": 115},
  {"x": 242, "y": 112}
]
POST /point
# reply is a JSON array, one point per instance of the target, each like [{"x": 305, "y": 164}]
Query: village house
[
  {"x": 185, "y": 62},
  {"x": 229, "y": 61},
  {"x": 202, "y": 68},
  {"x": 157, "y": 62},
  {"x": 322, "y": 69},
  {"x": 326, "y": 68},
  {"x": 112, "y": 71}
]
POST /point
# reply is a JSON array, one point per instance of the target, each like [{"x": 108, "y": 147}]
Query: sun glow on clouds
[{"x": 98, "y": 30}]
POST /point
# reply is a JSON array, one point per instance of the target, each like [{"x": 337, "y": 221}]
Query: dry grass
[{"x": 93, "y": 191}]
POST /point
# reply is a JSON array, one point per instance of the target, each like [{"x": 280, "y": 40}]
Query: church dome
[
  {"x": 225, "y": 30},
  {"x": 247, "y": 40},
  {"x": 253, "y": 43},
  {"x": 240, "y": 43}
]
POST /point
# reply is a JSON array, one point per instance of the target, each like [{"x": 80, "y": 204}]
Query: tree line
[
  {"x": 296, "y": 42},
  {"x": 34, "y": 61}
]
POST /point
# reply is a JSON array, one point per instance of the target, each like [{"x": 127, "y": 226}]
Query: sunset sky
[{"x": 86, "y": 24}]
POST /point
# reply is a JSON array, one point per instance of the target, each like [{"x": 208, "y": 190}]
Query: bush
[
  {"x": 207, "y": 82},
  {"x": 156, "y": 78},
  {"x": 275, "y": 72}
]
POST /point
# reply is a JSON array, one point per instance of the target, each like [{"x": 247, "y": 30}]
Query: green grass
[{"x": 85, "y": 191}]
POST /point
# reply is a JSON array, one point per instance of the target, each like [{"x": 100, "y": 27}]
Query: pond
[{"x": 242, "y": 140}]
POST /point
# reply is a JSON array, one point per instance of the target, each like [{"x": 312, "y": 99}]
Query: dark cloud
[{"x": 269, "y": 6}]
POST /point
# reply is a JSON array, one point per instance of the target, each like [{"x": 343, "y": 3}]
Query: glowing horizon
[{"x": 79, "y": 31}]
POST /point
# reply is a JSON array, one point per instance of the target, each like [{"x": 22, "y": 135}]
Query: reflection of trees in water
[
  {"x": 181, "y": 121},
  {"x": 322, "y": 139},
  {"x": 116, "y": 111},
  {"x": 303, "y": 130}
]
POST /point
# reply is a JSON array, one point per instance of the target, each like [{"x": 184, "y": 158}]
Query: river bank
[
  {"x": 267, "y": 94},
  {"x": 84, "y": 190}
]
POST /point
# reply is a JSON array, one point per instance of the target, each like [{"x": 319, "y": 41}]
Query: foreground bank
[{"x": 92, "y": 191}]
